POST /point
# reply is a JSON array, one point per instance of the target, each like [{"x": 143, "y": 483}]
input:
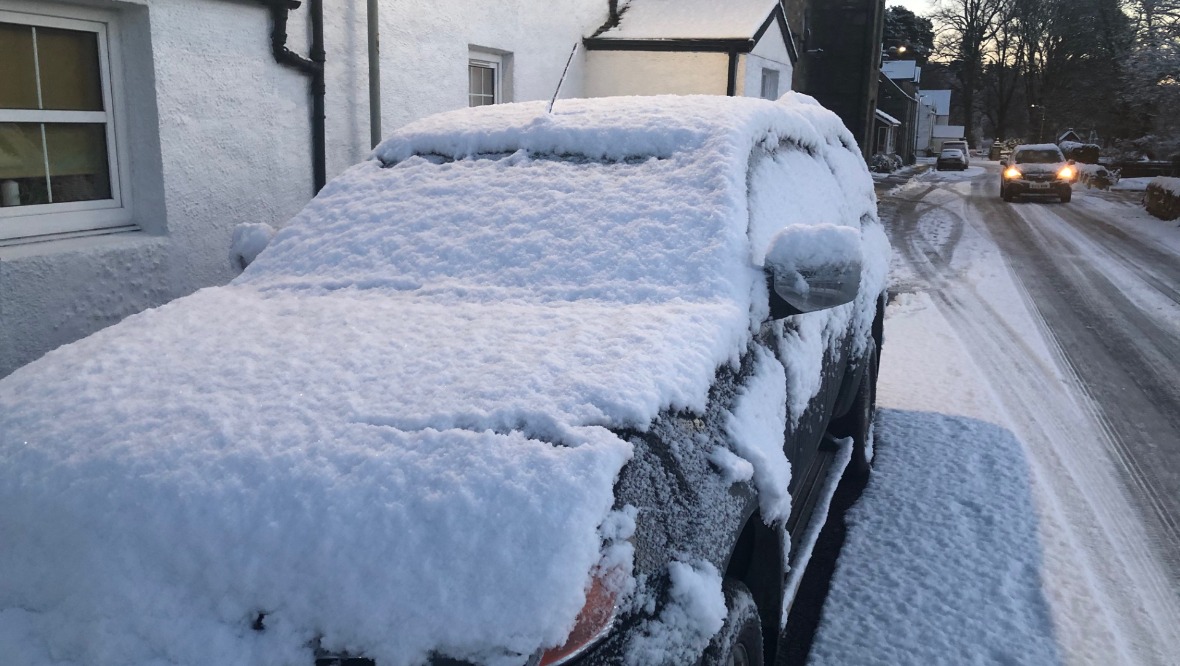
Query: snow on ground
[
  {"x": 1131, "y": 184},
  {"x": 994, "y": 529}
]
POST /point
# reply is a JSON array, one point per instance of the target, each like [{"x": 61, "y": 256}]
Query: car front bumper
[{"x": 1052, "y": 188}]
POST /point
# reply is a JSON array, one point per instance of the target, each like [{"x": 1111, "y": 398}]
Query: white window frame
[
  {"x": 490, "y": 61},
  {"x": 30, "y": 223}
]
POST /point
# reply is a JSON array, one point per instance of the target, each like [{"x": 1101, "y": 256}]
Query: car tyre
[
  {"x": 1066, "y": 195},
  {"x": 739, "y": 642},
  {"x": 1005, "y": 194}
]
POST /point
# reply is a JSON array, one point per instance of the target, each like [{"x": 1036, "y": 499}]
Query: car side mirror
[{"x": 813, "y": 267}]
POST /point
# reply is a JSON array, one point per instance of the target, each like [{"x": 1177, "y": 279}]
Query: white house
[
  {"x": 135, "y": 134},
  {"x": 653, "y": 47}
]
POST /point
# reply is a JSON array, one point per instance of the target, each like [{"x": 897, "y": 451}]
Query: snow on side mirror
[
  {"x": 813, "y": 267},
  {"x": 248, "y": 242}
]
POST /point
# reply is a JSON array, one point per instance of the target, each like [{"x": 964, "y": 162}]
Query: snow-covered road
[{"x": 1031, "y": 364}]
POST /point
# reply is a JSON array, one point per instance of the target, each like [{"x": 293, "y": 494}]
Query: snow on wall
[{"x": 223, "y": 137}]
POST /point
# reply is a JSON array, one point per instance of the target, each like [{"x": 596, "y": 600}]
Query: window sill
[{"x": 114, "y": 238}]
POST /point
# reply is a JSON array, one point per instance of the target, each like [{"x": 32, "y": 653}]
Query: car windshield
[
  {"x": 530, "y": 225},
  {"x": 1038, "y": 157}
]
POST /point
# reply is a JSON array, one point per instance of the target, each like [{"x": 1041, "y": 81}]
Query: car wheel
[
  {"x": 858, "y": 422},
  {"x": 1066, "y": 195},
  {"x": 739, "y": 643},
  {"x": 1005, "y": 194}
]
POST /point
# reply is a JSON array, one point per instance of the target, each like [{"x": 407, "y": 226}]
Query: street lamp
[{"x": 1041, "y": 131}]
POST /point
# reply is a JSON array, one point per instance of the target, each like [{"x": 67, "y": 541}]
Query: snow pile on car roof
[{"x": 388, "y": 434}]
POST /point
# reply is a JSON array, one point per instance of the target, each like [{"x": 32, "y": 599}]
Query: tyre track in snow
[
  {"x": 1125, "y": 359},
  {"x": 1138, "y": 626}
]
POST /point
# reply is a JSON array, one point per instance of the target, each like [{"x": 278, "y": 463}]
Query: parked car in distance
[
  {"x": 1037, "y": 170},
  {"x": 524, "y": 387},
  {"x": 951, "y": 158},
  {"x": 960, "y": 145}
]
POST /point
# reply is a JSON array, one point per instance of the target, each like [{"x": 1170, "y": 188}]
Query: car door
[{"x": 790, "y": 185}]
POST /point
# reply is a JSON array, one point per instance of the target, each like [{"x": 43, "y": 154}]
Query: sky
[{"x": 920, "y": 7}]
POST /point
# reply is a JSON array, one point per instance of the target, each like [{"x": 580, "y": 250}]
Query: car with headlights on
[
  {"x": 527, "y": 386},
  {"x": 1037, "y": 170}
]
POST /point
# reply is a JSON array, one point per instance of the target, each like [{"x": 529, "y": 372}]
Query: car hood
[{"x": 393, "y": 475}]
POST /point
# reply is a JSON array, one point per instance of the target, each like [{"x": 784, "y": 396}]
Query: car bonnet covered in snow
[{"x": 392, "y": 433}]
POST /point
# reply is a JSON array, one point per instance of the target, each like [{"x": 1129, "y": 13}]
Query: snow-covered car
[
  {"x": 950, "y": 158},
  {"x": 524, "y": 387},
  {"x": 960, "y": 145},
  {"x": 1037, "y": 170}
]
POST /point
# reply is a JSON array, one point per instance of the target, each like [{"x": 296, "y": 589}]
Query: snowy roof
[
  {"x": 941, "y": 99},
  {"x": 906, "y": 70},
  {"x": 690, "y": 19},
  {"x": 888, "y": 119},
  {"x": 400, "y": 412}
]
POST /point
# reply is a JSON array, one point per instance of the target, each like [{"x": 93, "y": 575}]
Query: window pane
[
  {"x": 481, "y": 85},
  {"x": 78, "y": 161},
  {"x": 18, "y": 75},
  {"x": 70, "y": 77},
  {"x": 22, "y": 165}
]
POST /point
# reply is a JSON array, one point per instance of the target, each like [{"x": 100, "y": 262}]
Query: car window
[
  {"x": 952, "y": 152},
  {"x": 1043, "y": 156}
]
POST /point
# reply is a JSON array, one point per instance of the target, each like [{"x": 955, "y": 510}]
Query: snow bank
[{"x": 399, "y": 412}]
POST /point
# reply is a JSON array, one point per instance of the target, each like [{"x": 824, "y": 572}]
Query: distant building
[
  {"x": 840, "y": 60},
  {"x": 898, "y": 96}
]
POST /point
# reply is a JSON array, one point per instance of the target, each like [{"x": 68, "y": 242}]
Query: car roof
[{"x": 1037, "y": 146}]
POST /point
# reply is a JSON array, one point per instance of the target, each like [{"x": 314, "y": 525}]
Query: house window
[
  {"x": 59, "y": 168},
  {"x": 769, "y": 83},
  {"x": 484, "y": 80}
]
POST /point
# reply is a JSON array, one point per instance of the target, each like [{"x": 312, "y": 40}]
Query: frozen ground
[{"x": 1023, "y": 503}]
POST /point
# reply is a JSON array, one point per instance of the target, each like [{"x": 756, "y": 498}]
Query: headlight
[
  {"x": 1012, "y": 172},
  {"x": 594, "y": 622},
  {"x": 1066, "y": 173}
]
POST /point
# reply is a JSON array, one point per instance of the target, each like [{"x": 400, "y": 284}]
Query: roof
[
  {"x": 888, "y": 119},
  {"x": 940, "y": 99},
  {"x": 690, "y": 19},
  {"x": 692, "y": 25},
  {"x": 902, "y": 70}
]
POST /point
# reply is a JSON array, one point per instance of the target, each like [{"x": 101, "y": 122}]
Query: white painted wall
[
  {"x": 219, "y": 134},
  {"x": 770, "y": 53},
  {"x": 611, "y": 73}
]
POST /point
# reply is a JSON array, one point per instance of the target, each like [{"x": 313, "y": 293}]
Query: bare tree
[{"x": 964, "y": 30}]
